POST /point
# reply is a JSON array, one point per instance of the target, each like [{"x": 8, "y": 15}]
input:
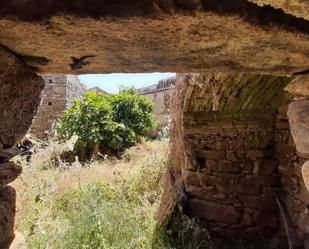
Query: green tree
[
  {"x": 111, "y": 121},
  {"x": 133, "y": 110}
]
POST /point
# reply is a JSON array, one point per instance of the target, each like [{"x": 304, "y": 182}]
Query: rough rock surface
[
  {"x": 299, "y": 86},
  {"x": 20, "y": 91},
  {"x": 299, "y": 121},
  {"x": 305, "y": 173},
  {"x": 141, "y": 36},
  {"x": 297, "y": 8},
  {"x": 7, "y": 214},
  {"x": 8, "y": 172},
  {"x": 19, "y": 98}
]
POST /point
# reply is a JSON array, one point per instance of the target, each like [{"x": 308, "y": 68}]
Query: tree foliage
[{"x": 113, "y": 121}]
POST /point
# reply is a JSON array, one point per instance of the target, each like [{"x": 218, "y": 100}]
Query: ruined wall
[
  {"x": 58, "y": 94},
  {"x": 19, "y": 97},
  {"x": 161, "y": 95},
  {"x": 74, "y": 90},
  {"x": 233, "y": 158},
  {"x": 231, "y": 182}
]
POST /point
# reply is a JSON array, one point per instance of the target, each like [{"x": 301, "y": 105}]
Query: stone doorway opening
[
  {"x": 233, "y": 154},
  {"x": 256, "y": 37}
]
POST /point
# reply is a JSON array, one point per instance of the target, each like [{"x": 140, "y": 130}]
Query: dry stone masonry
[
  {"x": 233, "y": 158},
  {"x": 58, "y": 95},
  {"x": 161, "y": 95}
]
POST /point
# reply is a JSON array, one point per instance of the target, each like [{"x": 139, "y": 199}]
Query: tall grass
[{"x": 106, "y": 213}]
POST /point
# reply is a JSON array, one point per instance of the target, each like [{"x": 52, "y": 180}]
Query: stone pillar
[
  {"x": 298, "y": 114},
  {"x": 20, "y": 91}
]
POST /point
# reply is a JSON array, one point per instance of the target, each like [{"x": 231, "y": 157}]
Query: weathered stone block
[
  {"x": 7, "y": 154},
  {"x": 305, "y": 173},
  {"x": 285, "y": 149},
  {"x": 287, "y": 170},
  {"x": 7, "y": 213},
  {"x": 213, "y": 211},
  {"x": 231, "y": 133},
  {"x": 298, "y": 114},
  {"x": 212, "y": 164},
  {"x": 299, "y": 86},
  {"x": 271, "y": 192},
  {"x": 210, "y": 154},
  {"x": 201, "y": 179},
  {"x": 20, "y": 91},
  {"x": 281, "y": 136},
  {"x": 231, "y": 156},
  {"x": 261, "y": 180},
  {"x": 290, "y": 184},
  {"x": 205, "y": 194},
  {"x": 267, "y": 166},
  {"x": 257, "y": 202},
  {"x": 247, "y": 220},
  {"x": 303, "y": 222},
  {"x": 227, "y": 166},
  {"x": 282, "y": 125},
  {"x": 265, "y": 219},
  {"x": 246, "y": 166},
  {"x": 283, "y": 160},
  {"x": 8, "y": 172},
  {"x": 253, "y": 154},
  {"x": 239, "y": 188},
  {"x": 222, "y": 166}
]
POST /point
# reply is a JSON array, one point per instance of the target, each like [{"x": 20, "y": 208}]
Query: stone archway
[
  {"x": 180, "y": 36},
  {"x": 233, "y": 158}
]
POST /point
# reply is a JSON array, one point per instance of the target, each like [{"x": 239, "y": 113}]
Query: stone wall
[
  {"x": 161, "y": 95},
  {"x": 294, "y": 194},
  {"x": 19, "y": 97},
  {"x": 233, "y": 159},
  {"x": 231, "y": 183},
  {"x": 74, "y": 90},
  {"x": 58, "y": 94}
]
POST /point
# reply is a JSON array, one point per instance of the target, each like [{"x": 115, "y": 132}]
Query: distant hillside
[{"x": 97, "y": 90}]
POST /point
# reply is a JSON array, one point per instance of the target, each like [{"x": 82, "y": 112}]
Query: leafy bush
[
  {"x": 112, "y": 121},
  {"x": 133, "y": 110}
]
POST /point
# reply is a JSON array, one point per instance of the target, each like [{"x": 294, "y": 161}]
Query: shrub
[
  {"x": 133, "y": 110},
  {"x": 113, "y": 121}
]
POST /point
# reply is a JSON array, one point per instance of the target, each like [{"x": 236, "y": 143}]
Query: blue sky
[{"x": 111, "y": 82}]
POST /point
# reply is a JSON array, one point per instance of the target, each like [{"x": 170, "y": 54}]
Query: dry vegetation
[{"x": 104, "y": 204}]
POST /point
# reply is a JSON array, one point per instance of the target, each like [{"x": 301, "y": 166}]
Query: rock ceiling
[{"x": 156, "y": 35}]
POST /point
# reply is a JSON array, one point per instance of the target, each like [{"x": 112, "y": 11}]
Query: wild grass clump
[
  {"x": 115, "y": 210},
  {"x": 97, "y": 215}
]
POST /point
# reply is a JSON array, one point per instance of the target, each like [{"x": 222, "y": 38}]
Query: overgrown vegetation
[
  {"x": 108, "y": 204},
  {"x": 113, "y": 122}
]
